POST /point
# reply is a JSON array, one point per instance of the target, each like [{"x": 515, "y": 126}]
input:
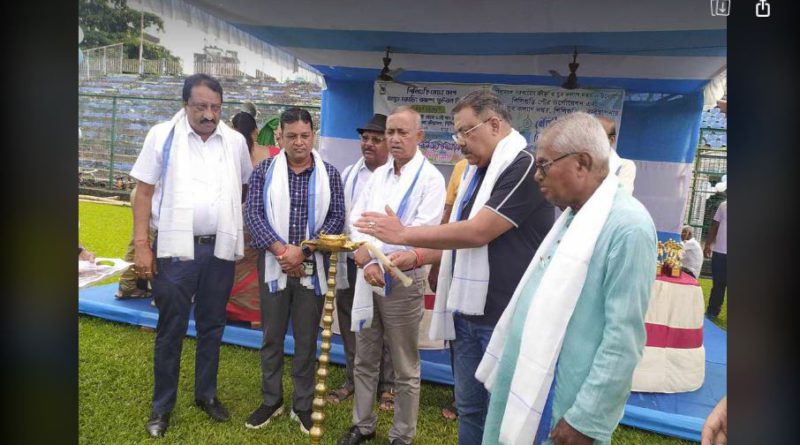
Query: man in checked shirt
[{"x": 292, "y": 197}]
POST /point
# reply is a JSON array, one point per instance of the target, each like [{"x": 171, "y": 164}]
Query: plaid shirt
[{"x": 263, "y": 234}]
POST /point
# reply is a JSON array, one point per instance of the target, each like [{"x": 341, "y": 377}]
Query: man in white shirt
[
  {"x": 413, "y": 189},
  {"x": 717, "y": 243},
  {"x": 192, "y": 171},
  {"x": 692, "y": 252},
  {"x": 626, "y": 172},
  {"x": 374, "y": 153}
]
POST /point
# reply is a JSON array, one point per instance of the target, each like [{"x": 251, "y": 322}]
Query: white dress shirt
[
  {"x": 206, "y": 160},
  {"x": 692, "y": 256},
  {"x": 362, "y": 177},
  {"x": 425, "y": 204}
]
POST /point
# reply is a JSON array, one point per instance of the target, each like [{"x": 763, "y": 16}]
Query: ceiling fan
[
  {"x": 390, "y": 75},
  {"x": 571, "y": 82}
]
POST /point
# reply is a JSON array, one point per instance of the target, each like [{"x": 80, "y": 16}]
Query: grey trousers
[
  {"x": 344, "y": 308},
  {"x": 305, "y": 310},
  {"x": 396, "y": 318}
]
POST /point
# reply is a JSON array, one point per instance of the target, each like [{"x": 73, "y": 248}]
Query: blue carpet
[
  {"x": 100, "y": 302},
  {"x": 678, "y": 415},
  {"x": 682, "y": 414}
]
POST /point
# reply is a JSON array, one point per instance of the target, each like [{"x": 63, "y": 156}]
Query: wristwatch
[{"x": 307, "y": 252}]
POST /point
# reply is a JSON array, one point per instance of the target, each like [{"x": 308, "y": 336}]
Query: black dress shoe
[
  {"x": 214, "y": 409},
  {"x": 157, "y": 424},
  {"x": 354, "y": 437}
]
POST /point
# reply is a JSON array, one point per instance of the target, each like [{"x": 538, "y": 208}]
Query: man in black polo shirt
[{"x": 499, "y": 218}]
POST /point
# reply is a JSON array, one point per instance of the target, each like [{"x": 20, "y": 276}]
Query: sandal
[
  {"x": 340, "y": 395},
  {"x": 136, "y": 293},
  {"x": 450, "y": 412},
  {"x": 387, "y": 401}
]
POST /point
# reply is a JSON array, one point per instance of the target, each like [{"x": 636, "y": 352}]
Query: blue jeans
[{"x": 472, "y": 399}]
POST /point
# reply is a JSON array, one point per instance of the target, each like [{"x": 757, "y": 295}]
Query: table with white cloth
[{"x": 674, "y": 356}]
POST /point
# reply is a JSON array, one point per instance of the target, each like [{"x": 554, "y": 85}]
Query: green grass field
[{"x": 116, "y": 379}]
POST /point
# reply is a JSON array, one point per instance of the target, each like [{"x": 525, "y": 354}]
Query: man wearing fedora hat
[{"x": 374, "y": 153}]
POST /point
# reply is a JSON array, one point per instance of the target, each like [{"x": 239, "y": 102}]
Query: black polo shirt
[{"x": 515, "y": 197}]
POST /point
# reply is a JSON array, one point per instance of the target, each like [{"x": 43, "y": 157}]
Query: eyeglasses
[
  {"x": 374, "y": 139},
  {"x": 203, "y": 107},
  {"x": 462, "y": 135},
  {"x": 544, "y": 166}
]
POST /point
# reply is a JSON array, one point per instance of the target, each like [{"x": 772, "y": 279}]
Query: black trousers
[
  {"x": 210, "y": 280},
  {"x": 719, "y": 276}
]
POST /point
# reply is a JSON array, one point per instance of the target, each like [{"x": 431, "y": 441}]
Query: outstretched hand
[{"x": 386, "y": 228}]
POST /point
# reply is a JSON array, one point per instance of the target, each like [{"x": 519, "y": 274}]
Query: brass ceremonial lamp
[{"x": 332, "y": 244}]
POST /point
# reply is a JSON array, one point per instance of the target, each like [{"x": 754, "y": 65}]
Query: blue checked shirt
[{"x": 262, "y": 233}]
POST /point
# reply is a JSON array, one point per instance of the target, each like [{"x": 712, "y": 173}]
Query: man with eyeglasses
[
  {"x": 293, "y": 196},
  {"x": 561, "y": 359},
  {"x": 191, "y": 175},
  {"x": 496, "y": 225},
  {"x": 374, "y": 153}
]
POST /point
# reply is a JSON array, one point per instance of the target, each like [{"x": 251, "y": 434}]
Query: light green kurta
[{"x": 605, "y": 336}]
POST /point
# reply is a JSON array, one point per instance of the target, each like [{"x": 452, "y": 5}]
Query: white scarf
[
  {"x": 614, "y": 162},
  {"x": 176, "y": 220},
  {"x": 376, "y": 201},
  {"x": 350, "y": 175},
  {"x": 463, "y": 288},
  {"x": 277, "y": 207},
  {"x": 547, "y": 317}
]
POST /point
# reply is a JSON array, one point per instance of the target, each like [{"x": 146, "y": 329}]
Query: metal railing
[
  {"x": 110, "y": 59},
  {"x": 113, "y": 129},
  {"x": 711, "y": 163},
  {"x": 160, "y": 67},
  {"x": 219, "y": 69}
]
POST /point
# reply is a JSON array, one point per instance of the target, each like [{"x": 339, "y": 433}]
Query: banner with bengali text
[{"x": 532, "y": 108}]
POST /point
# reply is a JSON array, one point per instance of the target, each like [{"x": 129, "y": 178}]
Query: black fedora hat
[{"x": 376, "y": 123}]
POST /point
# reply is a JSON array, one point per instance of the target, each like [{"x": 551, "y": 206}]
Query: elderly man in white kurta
[
  {"x": 411, "y": 187},
  {"x": 561, "y": 359}
]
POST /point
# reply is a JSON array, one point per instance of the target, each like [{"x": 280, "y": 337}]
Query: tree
[{"x": 106, "y": 22}]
